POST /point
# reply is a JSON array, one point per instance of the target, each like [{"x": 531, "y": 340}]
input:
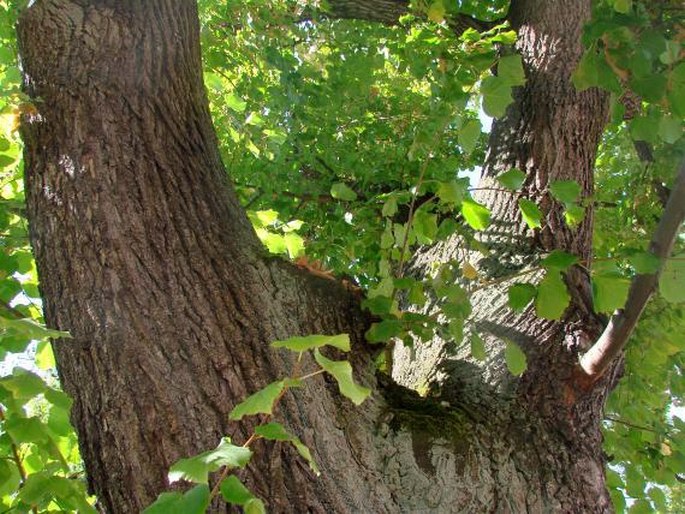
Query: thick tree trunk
[{"x": 147, "y": 259}]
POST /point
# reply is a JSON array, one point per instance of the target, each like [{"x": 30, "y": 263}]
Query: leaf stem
[{"x": 312, "y": 374}]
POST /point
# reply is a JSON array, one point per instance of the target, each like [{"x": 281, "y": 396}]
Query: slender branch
[
  {"x": 623, "y": 322},
  {"x": 632, "y": 425}
]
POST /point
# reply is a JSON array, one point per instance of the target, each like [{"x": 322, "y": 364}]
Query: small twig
[
  {"x": 504, "y": 279},
  {"x": 312, "y": 374},
  {"x": 632, "y": 425},
  {"x": 496, "y": 189}
]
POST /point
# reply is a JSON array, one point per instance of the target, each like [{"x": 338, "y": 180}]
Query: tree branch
[
  {"x": 389, "y": 11},
  {"x": 622, "y": 323}
]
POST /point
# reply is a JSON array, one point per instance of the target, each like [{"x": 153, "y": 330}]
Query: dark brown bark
[
  {"x": 144, "y": 253},
  {"x": 147, "y": 259}
]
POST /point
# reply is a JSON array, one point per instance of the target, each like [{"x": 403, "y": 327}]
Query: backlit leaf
[{"x": 476, "y": 215}]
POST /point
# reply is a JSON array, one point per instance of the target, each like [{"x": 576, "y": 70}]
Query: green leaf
[
  {"x": 384, "y": 331},
  {"x": 277, "y": 432},
  {"x": 670, "y": 129},
  {"x": 266, "y": 217},
  {"x": 235, "y": 103},
  {"x": 510, "y": 69},
  {"x": 644, "y": 129},
  {"x": 574, "y": 214},
  {"x": 531, "y": 213},
  {"x": 378, "y": 305},
  {"x": 450, "y": 192},
  {"x": 496, "y": 96},
  {"x": 30, "y": 329},
  {"x": 672, "y": 53},
  {"x": 195, "y": 501},
  {"x": 609, "y": 292},
  {"x": 342, "y": 372},
  {"x": 58, "y": 422},
  {"x": 623, "y": 6},
  {"x": 672, "y": 281},
  {"x": 302, "y": 344},
  {"x": 254, "y": 506},
  {"x": 45, "y": 359},
  {"x": 274, "y": 242},
  {"x": 294, "y": 244},
  {"x": 425, "y": 226},
  {"x": 476, "y": 215},
  {"x": 593, "y": 71},
  {"x": 469, "y": 135},
  {"x": 515, "y": 359},
  {"x": 552, "y": 298},
  {"x": 478, "y": 348},
  {"x": 436, "y": 11},
  {"x": 644, "y": 262},
  {"x": 234, "y": 492},
  {"x": 41, "y": 488},
  {"x": 559, "y": 260},
  {"x": 520, "y": 295},
  {"x": 566, "y": 191},
  {"x": 23, "y": 384},
  {"x": 196, "y": 469},
  {"x": 651, "y": 87},
  {"x": 342, "y": 192},
  {"x": 390, "y": 207},
  {"x": 512, "y": 179},
  {"x": 261, "y": 402}
]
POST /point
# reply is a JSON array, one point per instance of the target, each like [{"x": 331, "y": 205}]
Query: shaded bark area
[{"x": 147, "y": 259}]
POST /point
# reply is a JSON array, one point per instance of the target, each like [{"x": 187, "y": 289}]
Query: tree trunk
[{"x": 146, "y": 257}]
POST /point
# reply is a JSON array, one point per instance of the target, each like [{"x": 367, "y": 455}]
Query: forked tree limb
[{"x": 622, "y": 323}]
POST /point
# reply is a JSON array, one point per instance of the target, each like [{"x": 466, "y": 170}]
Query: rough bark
[
  {"x": 147, "y": 259},
  {"x": 551, "y": 133}
]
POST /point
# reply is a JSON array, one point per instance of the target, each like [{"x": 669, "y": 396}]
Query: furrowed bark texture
[
  {"x": 551, "y": 132},
  {"x": 147, "y": 259}
]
